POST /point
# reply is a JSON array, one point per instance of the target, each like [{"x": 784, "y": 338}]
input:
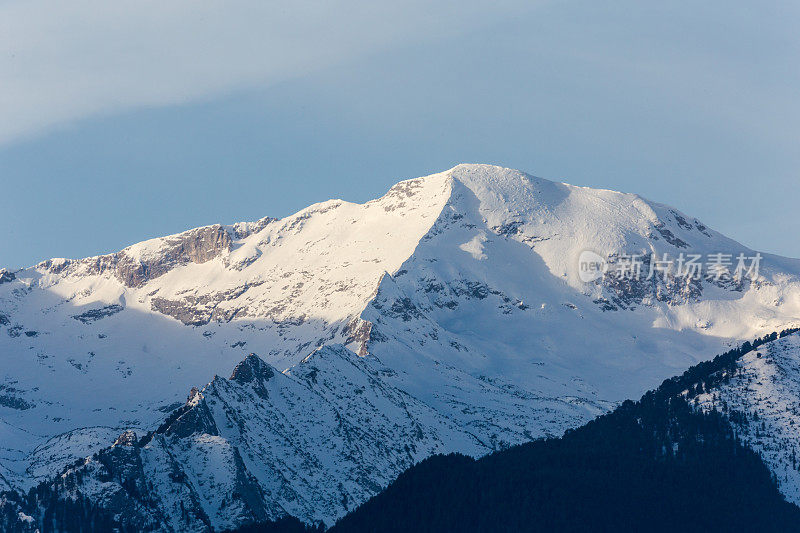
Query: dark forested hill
[{"x": 658, "y": 464}]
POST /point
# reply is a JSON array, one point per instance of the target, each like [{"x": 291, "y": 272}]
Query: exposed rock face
[
  {"x": 127, "y": 438},
  {"x": 13, "y": 402},
  {"x": 6, "y": 276},
  {"x": 200, "y": 310},
  {"x": 255, "y": 372},
  {"x": 96, "y": 314},
  {"x": 627, "y": 293},
  {"x": 358, "y": 332},
  {"x": 134, "y": 268}
]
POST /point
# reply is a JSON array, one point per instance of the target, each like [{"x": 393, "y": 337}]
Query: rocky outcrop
[
  {"x": 94, "y": 315},
  {"x": 255, "y": 372},
  {"x": 630, "y": 292},
  {"x": 14, "y": 398},
  {"x": 126, "y": 438},
  {"x": 200, "y": 310},
  {"x": 6, "y": 276},
  {"x": 134, "y": 267}
]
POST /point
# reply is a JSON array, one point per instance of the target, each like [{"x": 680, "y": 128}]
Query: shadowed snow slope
[{"x": 447, "y": 315}]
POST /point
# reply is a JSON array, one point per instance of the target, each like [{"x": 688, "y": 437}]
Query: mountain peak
[
  {"x": 457, "y": 288},
  {"x": 484, "y": 169},
  {"x": 250, "y": 369}
]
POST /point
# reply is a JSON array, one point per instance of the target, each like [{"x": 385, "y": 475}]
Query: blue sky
[{"x": 125, "y": 121}]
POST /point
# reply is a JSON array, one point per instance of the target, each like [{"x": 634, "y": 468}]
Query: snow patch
[{"x": 474, "y": 247}]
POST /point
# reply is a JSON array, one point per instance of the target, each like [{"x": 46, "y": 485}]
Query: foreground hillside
[
  {"x": 659, "y": 464},
  {"x": 668, "y": 462}
]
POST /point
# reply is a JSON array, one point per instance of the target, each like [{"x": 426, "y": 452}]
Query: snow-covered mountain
[{"x": 448, "y": 315}]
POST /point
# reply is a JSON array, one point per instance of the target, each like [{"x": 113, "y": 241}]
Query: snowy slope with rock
[
  {"x": 762, "y": 399},
  {"x": 262, "y": 444},
  {"x": 448, "y": 315}
]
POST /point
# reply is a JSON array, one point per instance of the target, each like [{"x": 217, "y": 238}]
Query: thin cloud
[{"x": 63, "y": 61}]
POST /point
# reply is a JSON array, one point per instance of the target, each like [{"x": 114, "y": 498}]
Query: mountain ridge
[{"x": 456, "y": 293}]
